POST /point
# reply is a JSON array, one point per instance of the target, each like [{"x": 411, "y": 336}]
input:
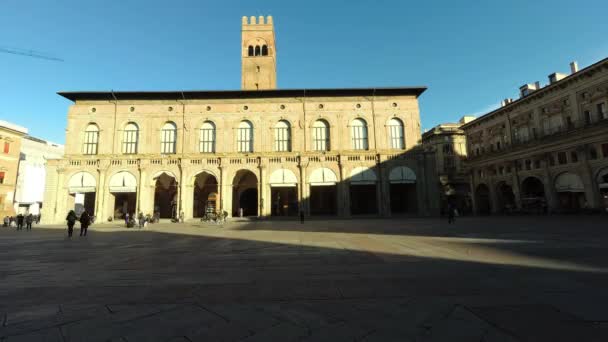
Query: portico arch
[
  {"x": 533, "y": 195},
  {"x": 123, "y": 187},
  {"x": 82, "y": 188},
  {"x": 245, "y": 193},
  {"x": 506, "y": 197},
  {"x": 403, "y": 194},
  {"x": 323, "y": 192},
  {"x": 570, "y": 191},
  {"x": 284, "y": 193},
  {"x": 482, "y": 198},
  {"x": 165, "y": 195},
  {"x": 362, "y": 188},
  {"x": 204, "y": 194}
]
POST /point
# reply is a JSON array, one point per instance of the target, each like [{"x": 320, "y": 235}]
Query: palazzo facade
[
  {"x": 258, "y": 151},
  {"x": 546, "y": 151}
]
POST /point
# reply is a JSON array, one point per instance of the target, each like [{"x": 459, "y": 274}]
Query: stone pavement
[{"x": 413, "y": 279}]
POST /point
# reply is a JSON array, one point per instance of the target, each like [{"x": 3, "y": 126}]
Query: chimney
[
  {"x": 573, "y": 67},
  {"x": 537, "y": 84}
]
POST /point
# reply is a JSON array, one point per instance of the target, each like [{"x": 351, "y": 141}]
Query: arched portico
[
  {"x": 506, "y": 197},
  {"x": 570, "y": 192},
  {"x": 284, "y": 193},
  {"x": 205, "y": 197},
  {"x": 482, "y": 199},
  {"x": 363, "y": 191},
  {"x": 403, "y": 194},
  {"x": 323, "y": 192},
  {"x": 165, "y": 195},
  {"x": 533, "y": 195},
  {"x": 123, "y": 192},
  {"x": 602, "y": 183},
  {"x": 245, "y": 194},
  {"x": 82, "y": 189}
]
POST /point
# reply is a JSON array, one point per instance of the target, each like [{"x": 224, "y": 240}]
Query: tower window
[
  {"x": 250, "y": 51},
  {"x": 257, "y": 50},
  {"x": 257, "y": 68},
  {"x": 264, "y": 50}
]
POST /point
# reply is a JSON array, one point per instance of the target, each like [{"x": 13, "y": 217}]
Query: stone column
[
  {"x": 343, "y": 190},
  {"x": 473, "y": 192},
  {"x": 225, "y": 188},
  {"x": 516, "y": 185},
  {"x": 550, "y": 193},
  {"x": 101, "y": 210},
  {"x": 60, "y": 211}
]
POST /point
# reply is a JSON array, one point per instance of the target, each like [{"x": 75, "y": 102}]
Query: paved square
[{"x": 482, "y": 279}]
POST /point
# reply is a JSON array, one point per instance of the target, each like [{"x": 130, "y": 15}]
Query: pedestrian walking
[
  {"x": 71, "y": 218},
  {"x": 7, "y": 221},
  {"x": 127, "y": 219},
  {"x": 141, "y": 219},
  {"x": 28, "y": 221},
  {"x": 85, "y": 220},
  {"x": 20, "y": 221},
  {"x": 451, "y": 213}
]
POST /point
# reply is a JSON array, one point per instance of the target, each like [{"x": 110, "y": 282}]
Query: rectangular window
[
  {"x": 244, "y": 140},
  {"x": 207, "y": 142},
  {"x": 587, "y": 116},
  {"x": 537, "y": 164},
  {"x": 167, "y": 145},
  {"x": 320, "y": 139},
  {"x": 130, "y": 143},
  {"x": 573, "y": 157},
  {"x": 601, "y": 110},
  {"x": 528, "y": 164},
  {"x": 359, "y": 137},
  {"x": 562, "y": 158},
  {"x": 396, "y": 132},
  {"x": 7, "y": 147},
  {"x": 605, "y": 150},
  {"x": 90, "y": 142},
  {"x": 592, "y": 153},
  {"x": 281, "y": 139},
  {"x": 2, "y": 177},
  {"x": 551, "y": 160}
]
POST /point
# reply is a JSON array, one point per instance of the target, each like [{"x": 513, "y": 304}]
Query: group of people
[
  {"x": 85, "y": 221},
  {"x": 19, "y": 220}
]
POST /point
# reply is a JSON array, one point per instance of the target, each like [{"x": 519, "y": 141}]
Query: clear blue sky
[{"x": 471, "y": 54}]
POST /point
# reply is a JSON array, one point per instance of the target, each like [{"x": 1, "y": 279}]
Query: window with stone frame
[
  {"x": 605, "y": 150},
  {"x": 2, "y": 175},
  {"x": 601, "y": 111},
  {"x": 573, "y": 157},
  {"x": 130, "y": 138},
  {"x": 320, "y": 135},
  {"x": 358, "y": 132},
  {"x": 207, "y": 138},
  {"x": 91, "y": 139},
  {"x": 244, "y": 138},
  {"x": 592, "y": 153},
  {"x": 7, "y": 147},
  {"x": 395, "y": 129},
  {"x": 168, "y": 138},
  {"x": 282, "y": 136},
  {"x": 562, "y": 158}
]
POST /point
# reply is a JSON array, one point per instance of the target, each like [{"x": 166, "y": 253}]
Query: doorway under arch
[
  {"x": 204, "y": 194},
  {"x": 245, "y": 194},
  {"x": 533, "y": 195},
  {"x": 165, "y": 196},
  {"x": 482, "y": 197},
  {"x": 506, "y": 197}
]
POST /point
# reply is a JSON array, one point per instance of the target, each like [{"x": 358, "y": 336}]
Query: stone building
[
  {"x": 259, "y": 151},
  {"x": 448, "y": 141},
  {"x": 10, "y": 142},
  {"x": 29, "y": 191},
  {"x": 547, "y": 150}
]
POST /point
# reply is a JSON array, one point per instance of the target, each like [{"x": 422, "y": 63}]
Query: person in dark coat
[
  {"x": 19, "y": 221},
  {"x": 71, "y": 218},
  {"x": 85, "y": 220},
  {"x": 28, "y": 221}
]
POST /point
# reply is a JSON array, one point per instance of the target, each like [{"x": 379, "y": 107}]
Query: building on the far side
[
  {"x": 546, "y": 151},
  {"x": 10, "y": 147},
  {"x": 448, "y": 141},
  {"x": 29, "y": 191}
]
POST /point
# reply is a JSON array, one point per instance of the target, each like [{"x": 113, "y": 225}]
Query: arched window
[
  {"x": 282, "y": 136},
  {"x": 320, "y": 135},
  {"x": 168, "y": 137},
  {"x": 264, "y": 50},
  {"x": 130, "y": 137},
  {"x": 358, "y": 133},
  {"x": 207, "y": 139},
  {"x": 244, "y": 140},
  {"x": 91, "y": 139},
  {"x": 395, "y": 133},
  {"x": 250, "y": 50},
  {"x": 257, "y": 50}
]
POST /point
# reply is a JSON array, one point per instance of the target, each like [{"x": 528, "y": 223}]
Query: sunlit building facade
[
  {"x": 546, "y": 151},
  {"x": 259, "y": 151}
]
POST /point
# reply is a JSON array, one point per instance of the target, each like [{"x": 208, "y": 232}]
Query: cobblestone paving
[{"x": 482, "y": 279}]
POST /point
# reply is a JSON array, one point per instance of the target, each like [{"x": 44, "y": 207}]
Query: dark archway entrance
[
  {"x": 284, "y": 201},
  {"x": 323, "y": 200},
  {"x": 245, "y": 194},
  {"x": 204, "y": 194},
  {"x": 482, "y": 197},
  {"x": 124, "y": 203},
  {"x": 165, "y": 196},
  {"x": 404, "y": 199},
  {"x": 506, "y": 197},
  {"x": 533, "y": 195},
  {"x": 363, "y": 199}
]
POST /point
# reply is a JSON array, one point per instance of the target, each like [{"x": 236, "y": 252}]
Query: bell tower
[{"x": 258, "y": 58}]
